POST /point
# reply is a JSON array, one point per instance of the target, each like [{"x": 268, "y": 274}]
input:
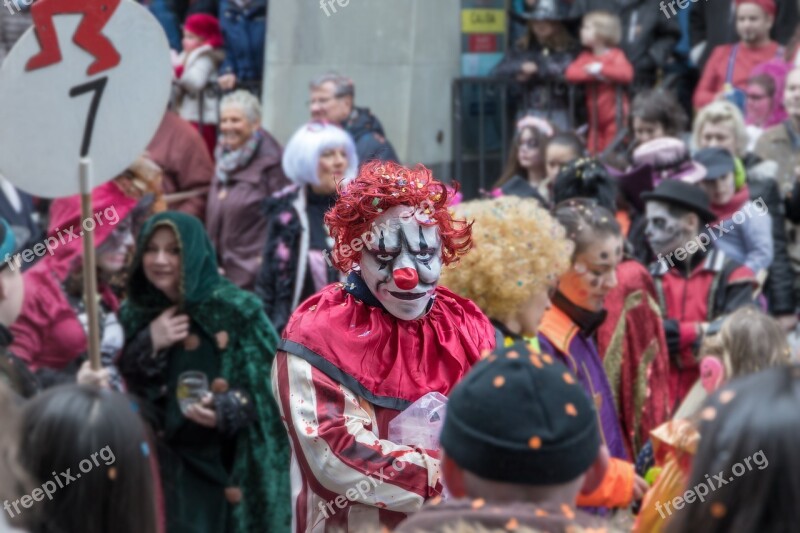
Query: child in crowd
[
  {"x": 748, "y": 342},
  {"x": 560, "y": 150},
  {"x": 604, "y": 69},
  {"x": 749, "y": 425},
  {"x": 195, "y": 75},
  {"x": 524, "y": 174}
]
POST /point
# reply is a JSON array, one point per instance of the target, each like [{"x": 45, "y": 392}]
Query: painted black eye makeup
[
  {"x": 385, "y": 258},
  {"x": 425, "y": 255},
  {"x": 381, "y": 254}
]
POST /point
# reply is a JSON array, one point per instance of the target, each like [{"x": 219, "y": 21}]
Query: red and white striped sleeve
[{"x": 335, "y": 441}]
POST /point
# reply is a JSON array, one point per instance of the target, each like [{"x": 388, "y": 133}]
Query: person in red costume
[
  {"x": 357, "y": 353},
  {"x": 729, "y": 66},
  {"x": 89, "y": 36},
  {"x": 50, "y": 335},
  {"x": 604, "y": 69},
  {"x": 697, "y": 283}
]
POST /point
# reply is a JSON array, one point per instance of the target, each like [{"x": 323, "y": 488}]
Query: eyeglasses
[
  {"x": 755, "y": 96},
  {"x": 322, "y": 101},
  {"x": 529, "y": 144}
]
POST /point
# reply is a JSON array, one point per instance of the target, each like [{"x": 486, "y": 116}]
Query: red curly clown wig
[{"x": 381, "y": 185}]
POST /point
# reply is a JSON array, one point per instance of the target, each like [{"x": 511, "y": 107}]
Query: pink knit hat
[{"x": 205, "y": 26}]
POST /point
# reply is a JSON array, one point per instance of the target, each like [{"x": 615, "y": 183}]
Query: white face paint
[
  {"x": 663, "y": 231},
  {"x": 402, "y": 262}
]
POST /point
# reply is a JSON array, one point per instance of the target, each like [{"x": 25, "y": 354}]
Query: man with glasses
[{"x": 332, "y": 100}]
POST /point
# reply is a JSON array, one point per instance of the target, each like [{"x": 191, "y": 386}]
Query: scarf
[
  {"x": 725, "y": 212},
  {"x": 229, "y": 161},
  {"x": 588, "y": 321}
]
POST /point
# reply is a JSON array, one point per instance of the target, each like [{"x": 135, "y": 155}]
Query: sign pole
[
  {"x": 89, "y": 265},
  {"x": 80, "y": 82}
]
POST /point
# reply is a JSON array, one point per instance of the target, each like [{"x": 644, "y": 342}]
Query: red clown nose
[{"x": 405, "y": 278}]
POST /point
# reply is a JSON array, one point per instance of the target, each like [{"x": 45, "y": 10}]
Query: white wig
[{"x": 301, "y": 155}]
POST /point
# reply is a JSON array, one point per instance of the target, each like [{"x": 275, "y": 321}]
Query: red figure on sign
[{"x": 88, "y": 36}]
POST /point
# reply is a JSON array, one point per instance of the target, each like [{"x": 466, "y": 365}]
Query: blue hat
[{"x": 718, "y": 162}]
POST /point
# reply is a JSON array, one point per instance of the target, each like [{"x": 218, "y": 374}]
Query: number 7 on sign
[
  {"x": 98, "y": 86},
  {"x": 96, "y": 13}
]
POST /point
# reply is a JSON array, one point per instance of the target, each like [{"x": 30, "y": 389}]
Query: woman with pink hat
[{"x": 195, "y": 75}]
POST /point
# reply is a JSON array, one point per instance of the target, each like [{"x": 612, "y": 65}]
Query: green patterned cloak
[{"x": 245, "y": 342}]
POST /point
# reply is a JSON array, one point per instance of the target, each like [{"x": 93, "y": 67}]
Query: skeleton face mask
[
  {"x": 402, "y": 262},
  {"x": 665, "y": 232}
]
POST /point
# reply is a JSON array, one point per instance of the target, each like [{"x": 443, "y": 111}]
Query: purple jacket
[{"x": 562, "y": 337}]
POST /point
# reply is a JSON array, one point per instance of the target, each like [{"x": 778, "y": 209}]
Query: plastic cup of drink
[{"x": 192, "y": 386}]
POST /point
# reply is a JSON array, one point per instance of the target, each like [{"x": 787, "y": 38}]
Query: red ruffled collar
[{"x": 389, "y": 362}]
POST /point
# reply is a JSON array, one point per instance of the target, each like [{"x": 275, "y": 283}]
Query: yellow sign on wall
[{"x": 483, "y": 21}]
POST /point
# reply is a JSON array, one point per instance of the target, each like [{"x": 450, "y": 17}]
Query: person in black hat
[
  {"x": 520, "y": 443},
  {"x": 539, "y": 59},
  {"x": 748, "y": 236},
  {"x": 697, "y": 284}
]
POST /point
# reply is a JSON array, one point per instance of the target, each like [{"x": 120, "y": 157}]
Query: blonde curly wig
[{"x": 519, "y": 251}]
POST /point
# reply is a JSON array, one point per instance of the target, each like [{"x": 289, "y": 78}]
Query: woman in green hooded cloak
[{"x": 224, "y": 460}]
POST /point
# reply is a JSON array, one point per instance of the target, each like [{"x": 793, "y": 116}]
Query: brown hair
[
  {"x": 512, "y": 167},
  {"x": 585, "y": 220},
  {"x": 749, "y": 342},
  {"x": 660, "y": 106},
  {"x": 607, "y": 26}
]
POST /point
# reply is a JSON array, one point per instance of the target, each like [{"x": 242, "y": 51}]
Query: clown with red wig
[{"x": 357, "y": 353}]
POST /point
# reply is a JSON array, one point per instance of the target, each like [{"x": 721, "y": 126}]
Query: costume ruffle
[{"x": 389, "y": 362}]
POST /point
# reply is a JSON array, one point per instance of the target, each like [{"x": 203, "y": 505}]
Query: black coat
[
  {"x": 712, "y": 21},
  {"x": 280, "y": 273},
  {"x": 780, "y": 280},
  {"x": 367, "y": 132},
  {"x": 546, "y": 94},
  {"x": 519, "y": 186}
]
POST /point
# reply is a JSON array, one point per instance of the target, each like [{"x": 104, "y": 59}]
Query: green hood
[
  {"x": 199, "y": 274},
  {"x": 222, "y": 310}
]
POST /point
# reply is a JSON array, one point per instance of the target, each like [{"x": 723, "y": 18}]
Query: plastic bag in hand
[{"x": 420, "y": 424}]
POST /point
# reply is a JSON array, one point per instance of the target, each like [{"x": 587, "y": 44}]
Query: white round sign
[{"x": 51, "y": 115}]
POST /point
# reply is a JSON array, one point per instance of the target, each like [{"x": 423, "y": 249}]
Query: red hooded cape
[{"x": 633, "y": 346}]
